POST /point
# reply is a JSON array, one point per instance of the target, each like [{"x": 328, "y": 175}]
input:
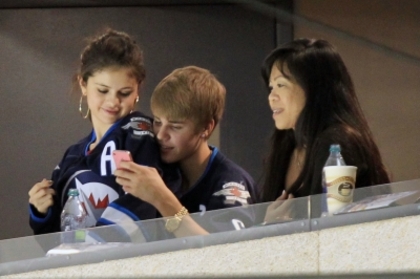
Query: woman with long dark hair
[{"x": 314, "y": 105}]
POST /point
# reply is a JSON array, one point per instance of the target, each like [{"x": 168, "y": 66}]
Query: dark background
[{"x": 40, "y": 44}]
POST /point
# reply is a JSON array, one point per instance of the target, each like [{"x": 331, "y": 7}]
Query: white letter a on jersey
[{"x": 107, "y": 157}]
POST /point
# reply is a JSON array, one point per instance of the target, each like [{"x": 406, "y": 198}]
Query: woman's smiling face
[
  {"x": 286, "y": 99},
  {"x": 111, "y": 94}
]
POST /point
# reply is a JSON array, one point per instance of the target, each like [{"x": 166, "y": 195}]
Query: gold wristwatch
[{"x": 172, "y": 223}]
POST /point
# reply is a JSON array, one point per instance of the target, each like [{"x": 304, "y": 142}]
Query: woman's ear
[{"x": 82, "y": 85}]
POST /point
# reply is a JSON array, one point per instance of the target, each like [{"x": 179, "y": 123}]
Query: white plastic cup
[{"x": 340, "y": 181}]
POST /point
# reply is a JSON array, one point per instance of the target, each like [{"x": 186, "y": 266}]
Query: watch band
[
  {"x": 173, "y": 223},
  {"x": 182, "y": 212}
]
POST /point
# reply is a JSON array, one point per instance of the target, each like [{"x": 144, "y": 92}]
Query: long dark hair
[{"x": 330, "y": 100}]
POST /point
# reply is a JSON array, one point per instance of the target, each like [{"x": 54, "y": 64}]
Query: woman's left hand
[{"x": 280, "y": 209}]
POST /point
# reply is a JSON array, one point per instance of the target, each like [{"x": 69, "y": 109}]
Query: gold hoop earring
[{"x": 80, "y": 109}]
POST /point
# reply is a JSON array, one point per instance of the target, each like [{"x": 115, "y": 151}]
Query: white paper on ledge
[{"x": 73, "y": 248}]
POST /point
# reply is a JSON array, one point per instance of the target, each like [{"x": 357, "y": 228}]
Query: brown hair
[{"x": 111, "y": 49}]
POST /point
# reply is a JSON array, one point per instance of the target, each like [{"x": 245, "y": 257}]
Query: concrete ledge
[
  {"x": 290, "y": 254},
  {"x": 382, "y": 246},
  {"x": 385, "y": 246}
]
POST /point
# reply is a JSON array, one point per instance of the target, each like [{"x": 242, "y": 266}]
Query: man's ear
[{"x": 209, "y": 128}]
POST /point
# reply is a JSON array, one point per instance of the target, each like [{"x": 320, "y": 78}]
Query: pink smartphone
[{"x": 120, "y": 156}]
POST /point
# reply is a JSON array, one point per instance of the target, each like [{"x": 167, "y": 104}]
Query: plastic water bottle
[
  {"x": 73, "y": 218},
  {"x": 335, "y": 159}
]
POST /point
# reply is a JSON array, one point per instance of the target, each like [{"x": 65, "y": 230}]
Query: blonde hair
[{"x": 190, "y": 93}]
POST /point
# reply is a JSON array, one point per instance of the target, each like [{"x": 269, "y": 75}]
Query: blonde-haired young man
[{"x": 187, "y": 105}]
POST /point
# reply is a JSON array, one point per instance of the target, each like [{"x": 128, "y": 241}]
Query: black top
[{"x": 353, "y": 154}]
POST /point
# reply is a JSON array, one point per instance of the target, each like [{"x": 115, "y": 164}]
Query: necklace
[
  {"x": 297, "y": 160},
  {"x": 296, "y": 155}
]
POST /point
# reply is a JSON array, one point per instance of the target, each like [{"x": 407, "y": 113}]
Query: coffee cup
[{"x": 340, "y": 183}]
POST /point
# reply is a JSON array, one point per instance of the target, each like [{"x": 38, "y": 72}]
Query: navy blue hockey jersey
[
  {"x": 223, "y": 185},
  {"x": 92, "y": 174}
]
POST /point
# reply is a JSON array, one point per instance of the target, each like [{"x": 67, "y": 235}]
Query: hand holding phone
[{"x": 121, "y": 156}]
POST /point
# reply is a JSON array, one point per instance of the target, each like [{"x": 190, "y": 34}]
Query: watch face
[{"x": 172, "y": 224}]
